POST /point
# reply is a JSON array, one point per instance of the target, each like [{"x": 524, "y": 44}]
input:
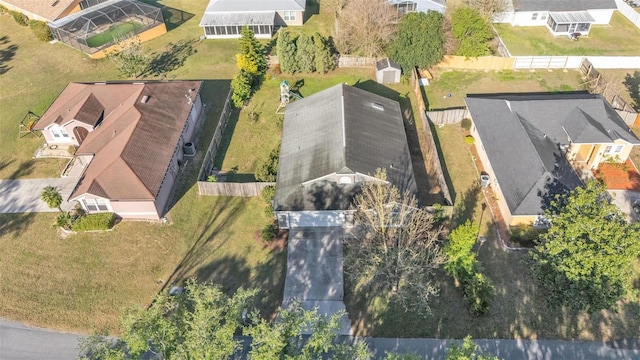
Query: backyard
[
  {"x": 458, "y": 84},
  {"x": 612, "y": 39}
]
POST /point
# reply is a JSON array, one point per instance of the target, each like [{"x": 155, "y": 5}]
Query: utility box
[{"x": 485, "y": 180}]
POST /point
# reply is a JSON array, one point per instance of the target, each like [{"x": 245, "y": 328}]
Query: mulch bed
[
  {"x": 279, "y": 242},
  {"x": 619, "y": 176}
]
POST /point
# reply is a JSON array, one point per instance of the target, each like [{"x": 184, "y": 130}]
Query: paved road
[
  {"x": 624, "y": 199},
  {"x": 18, "y": 342},
  {"x": 20, "y": 196}
]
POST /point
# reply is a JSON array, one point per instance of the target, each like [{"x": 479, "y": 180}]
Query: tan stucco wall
[
  {"x": 135, "y": 209},
  {"x": 299, "y": 21},
  {"x": 521, "y": 220},
  {"x": 144, "y": 36}
]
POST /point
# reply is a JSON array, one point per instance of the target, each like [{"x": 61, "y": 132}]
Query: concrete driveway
[
  {"x": 20, "y": 196},
  {"x": 624, "y": 199},
  {"x": 314, "y": 271}
]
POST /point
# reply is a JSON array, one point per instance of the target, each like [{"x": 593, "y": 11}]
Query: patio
[{"x": 622, "y": 176}]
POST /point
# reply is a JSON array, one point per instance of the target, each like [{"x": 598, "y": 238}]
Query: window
[
  {"x": 55, "y": 133},
  {"x": 543, "y": 16},
  {"x": 95, "y": 205},
  {"x": 607, "y": 149},
  {"x": 64, "y": 132},
  {"x": 618, "y": 149},
  {"x": 406, "y": 7},
  {"x": 289, "y": 15},
  {"x": 534, "y": 16}
]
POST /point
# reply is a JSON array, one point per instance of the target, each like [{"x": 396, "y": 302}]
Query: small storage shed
[{"x": 387, "y": 72}]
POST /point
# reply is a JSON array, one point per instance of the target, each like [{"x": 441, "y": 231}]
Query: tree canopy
[
  {"x": 394, "y": 248},
  {"x": 467, "y": 351},
  {"x": 364, "y": 27},
  {"x": 585, "y": 258},
  {"x": 130, "y": 57},
  {"x": 52, "y": 197},
  {"x": 419, "y": 40},
  {"x": 472, "y": 32}
]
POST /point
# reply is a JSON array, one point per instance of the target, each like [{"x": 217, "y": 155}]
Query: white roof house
[{"x": 226, "y": 18}]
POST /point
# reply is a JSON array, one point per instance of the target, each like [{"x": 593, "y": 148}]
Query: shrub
[
  {"x": 64, "y": 220},
  {"x": 241, "y": 85},
  {"x": 41, "y": 30},
  {"x": 525, "y": 235},
  {"x": 268, "y": 193},
  {"x": 3, "y": 10},
  {"x": 19, "y": 18},
  {"x": 269, "y": 232},
  {"x": 269, "y": 169},
  {"x": 461, "y": 259},
  {"x": 466, "y": 124},
  {"x": 469, "y": 140},
  {"x": 99, "y": 221},
  {"x": 212, "y": 178},
  {"x": 478, "y": 292},
  {"x": 71, "y": 150}
]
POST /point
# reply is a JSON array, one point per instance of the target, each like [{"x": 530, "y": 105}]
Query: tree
[
  {"x": 305, "y": 54},
  {"x": 459, "y": 250},
  {"x": 419, "y": 41},
  {"x": 197, "y": 324},
  {"x": 287, "y": 49},
  {"x": 241, "y": 85},
  {"x": 365, "y": 27},
  {"x": 394, "y": 248},
  {"x": 324, "y": 57},
  {"x": 251, "y": 58},
  {"x": 468, "y": 351},
  {"x": 488, "y": 8},
  {"x": 472, "y": 31},
  {"x": 130, "y": 57},
  {"x": 268, "y": 170},
  {"x": 52, "y": 197},
  {"x": 201, "y": 322},
  {"x": 283, "y": 339},
  {"x": 585, "y": 258}
]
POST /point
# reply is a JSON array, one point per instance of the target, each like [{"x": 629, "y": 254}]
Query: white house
[{"x": 561, "y": 17}]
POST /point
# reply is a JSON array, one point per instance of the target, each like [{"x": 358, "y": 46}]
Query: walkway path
[
  {"x": 19, "y": 196},
  {"x": 314, "y": 271},
  {"x": 18, "y": 342}
]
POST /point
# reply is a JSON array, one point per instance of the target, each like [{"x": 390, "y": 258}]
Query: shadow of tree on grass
[
  {"x": 632, "y": 82},
  {"x": 6, "y": 53},
  {"x": 172, "y": 58}
]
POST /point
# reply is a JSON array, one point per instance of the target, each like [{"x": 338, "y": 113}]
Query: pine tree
[
  {"x": 287, "y": 52},
  {"x": 305, "y": 56},
  {"x": 324, "y": 58}
]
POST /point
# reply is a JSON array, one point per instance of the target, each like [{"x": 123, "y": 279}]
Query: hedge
[
  {"x": 41, "y": 30},
  {"x": 99, "y": 221}
]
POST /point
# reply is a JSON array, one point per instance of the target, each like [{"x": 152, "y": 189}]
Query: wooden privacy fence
[
  {"x": 479, "y": 63},
  {"x": 232, "y": 189},
  {"x": 432, "y": 150},
  {"x": 346, "y": 61},
  {"x": 207, "y": 163},
  {"x": 448, "y": 116},
  {"x": 630, "y": 118}
]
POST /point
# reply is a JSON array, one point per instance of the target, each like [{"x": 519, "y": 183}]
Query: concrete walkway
[
  {"x": 19, "y": 342},
  {"x": 314, "y": 271},
  {"x": 20, "y": 196}
]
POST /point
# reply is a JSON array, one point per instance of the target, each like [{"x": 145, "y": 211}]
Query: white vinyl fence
[
  {"x": 629, "y": 12},
  {"x": 573, "y": 62}
]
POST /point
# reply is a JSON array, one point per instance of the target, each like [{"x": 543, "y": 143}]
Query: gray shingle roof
[
  {"x": 255, "y": 5},
  {"x": 562, "y": 5},
  {"x": 386, "y": 63},
  {"x": 342, "y": 130},
  {"x": 522, "y": 134}
]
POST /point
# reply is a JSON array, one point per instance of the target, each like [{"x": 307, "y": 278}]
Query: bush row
[
  {"x": 99, "y": 221},
  {"x": 39, "y": 28}
]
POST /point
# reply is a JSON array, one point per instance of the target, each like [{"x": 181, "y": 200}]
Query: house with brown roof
[
  {"x": 130, "y": 136},
  {"x": 45, "y": 10}
]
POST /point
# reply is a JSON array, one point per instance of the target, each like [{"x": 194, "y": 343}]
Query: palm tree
[{"x": 51, "y": 196}]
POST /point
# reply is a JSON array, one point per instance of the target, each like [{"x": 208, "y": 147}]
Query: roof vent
[
  {"x": 55, "y": 3},
  {"x": 378, "y": 106},
  {"x": 144, "y": 99}
]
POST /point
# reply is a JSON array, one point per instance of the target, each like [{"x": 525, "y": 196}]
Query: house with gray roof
[
  {"x": 335, "y": 140},
  {"x": 561, "y": 17},
  {"x": 534, "y": 146},
  {"x": 224, "y": 19}
]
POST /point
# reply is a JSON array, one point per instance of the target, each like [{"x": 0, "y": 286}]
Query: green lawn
[
  {"x": 115, "y": 31},
  {"x": 613, "y": 39},
  {"x": 519, "y": 309},
  {"x": 461, "y": 83}
]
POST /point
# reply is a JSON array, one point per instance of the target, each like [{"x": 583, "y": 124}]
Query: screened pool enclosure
[{"x": 100, "y": 26}]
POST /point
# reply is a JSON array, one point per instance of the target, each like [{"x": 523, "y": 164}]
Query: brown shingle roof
[
  {"x": 134, "y": 144},
  {"x": 47, "y": 9}
]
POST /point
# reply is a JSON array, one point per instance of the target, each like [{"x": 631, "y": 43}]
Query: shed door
[{"x": 388, "y": 77}]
